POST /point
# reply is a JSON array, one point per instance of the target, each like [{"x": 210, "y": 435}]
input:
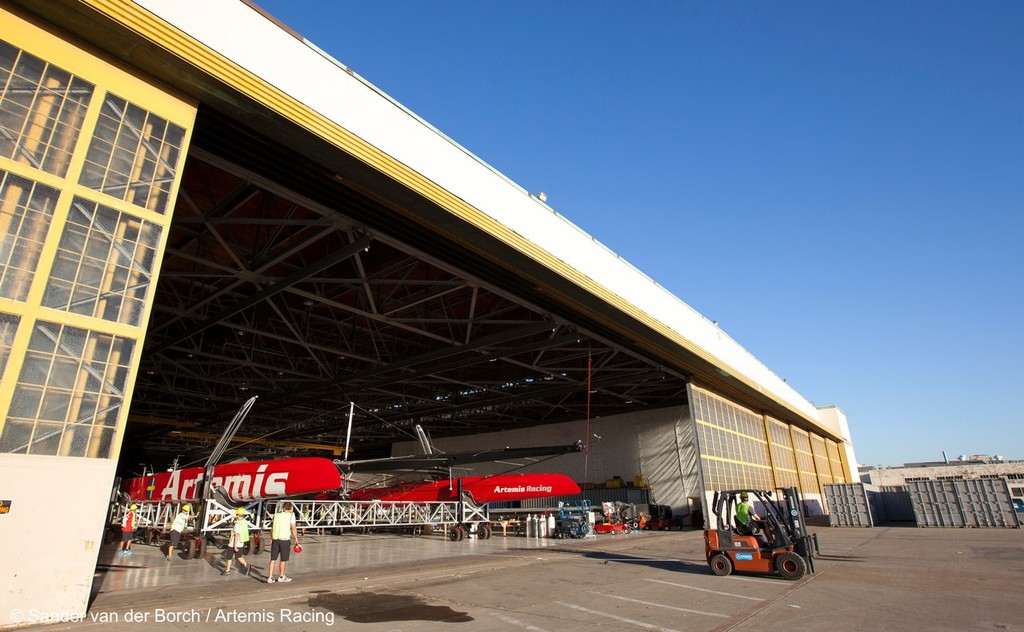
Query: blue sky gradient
[{"x": 839, "y": 184}]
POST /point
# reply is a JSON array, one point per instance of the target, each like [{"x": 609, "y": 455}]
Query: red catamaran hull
[
  {"x": 243, "y": 482},
  {"x": 484, "y": 489}
]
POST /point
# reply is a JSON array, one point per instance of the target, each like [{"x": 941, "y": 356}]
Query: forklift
[{"x": 777, "y": 543}]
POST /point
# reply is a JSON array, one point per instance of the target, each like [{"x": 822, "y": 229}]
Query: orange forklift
[{"x": 777, "y": 543}]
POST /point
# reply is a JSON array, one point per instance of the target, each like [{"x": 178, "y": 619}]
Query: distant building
[{"x": 964, "y": 467}]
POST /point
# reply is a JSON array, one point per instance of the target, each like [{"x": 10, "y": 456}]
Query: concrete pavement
[{"x": 888, "y": 578}]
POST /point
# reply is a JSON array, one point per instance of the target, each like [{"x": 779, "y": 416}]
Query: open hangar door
[{"x": 292, "y": 282}]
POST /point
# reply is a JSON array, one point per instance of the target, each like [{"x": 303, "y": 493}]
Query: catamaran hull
[
  {"x": 483, "y": 489},
  {"x": 241, "y": 482}
]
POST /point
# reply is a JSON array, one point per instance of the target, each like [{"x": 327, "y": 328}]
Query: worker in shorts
[
  {"x": 128, "y": 529},
  {"x": 177, "y": 528},
  {"x": 283, "y": 532},
  {"x": 237, "y": 543}
]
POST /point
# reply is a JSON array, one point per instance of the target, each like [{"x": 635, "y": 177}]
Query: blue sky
[{"x": 839, "y": 184}]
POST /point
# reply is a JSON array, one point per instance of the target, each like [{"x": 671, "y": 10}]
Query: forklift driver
[{"x": 747, "y": 519}]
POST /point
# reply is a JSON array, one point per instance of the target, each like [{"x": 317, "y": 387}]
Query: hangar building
[{"x": 199, "y": 206}]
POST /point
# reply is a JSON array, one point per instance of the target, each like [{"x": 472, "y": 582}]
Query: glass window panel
[
  {"x": 8, "y": 328},
  {"x": 87, "y": 404},
  {"x": 35, "y": 369},
  {"x": 133, "y": 154},
  {"x": 145, "y": 257},
  {"x": 106, "y": 267},
  {"x": 25, "y": 403},
  {"x": 41, "y": 111},
  {"x": 16, "y": 436},
  {"x": 119, "y": 279},
  {"x": 82, "y": 302},
  {"x": 75, "y": 441},
  {"x": 97, "y": 246},
  {"x": 64, "y": 270},
  {"x": 72, "y": 342},
  {"x": 58, "y": 294},
  {"x": 102, "y": 443},
  {"x": 92, "y": 176},
  {"x": 112, "y": 308},
  {"x": 100, "y": 350},
  {"x": 133, "y": 311},
  {"x": 118, "y": 379},
  {"x": 173, "y": 139},
  {"x": 74, "y": 391},
  {"x": 75, "y": 234},
  {"x": 12, "y": 286},
  {"x": 108, "y": 416},
  {"x": 94, "y": 379},
  {"x": 26, "y": 211},
  {"x": 46, "y": 438},
  {"x": 90, "y": 273},
  {"x": 55, "y": 405}
]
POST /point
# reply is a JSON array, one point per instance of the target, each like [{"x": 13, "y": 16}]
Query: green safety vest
[
  {"x": 240, "y": 532},
  {"x": 743, "y": 512},
  {"x": 282, "y": 527},
  {"x": 179, "y": 522}
]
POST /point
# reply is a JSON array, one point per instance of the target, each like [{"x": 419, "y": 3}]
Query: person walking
[
  {"x": 283, "y": 532},
  {"x": 177, "y": 528},
  {"x": 238, "y": 540},
  {"x": 128, "y": 524}
]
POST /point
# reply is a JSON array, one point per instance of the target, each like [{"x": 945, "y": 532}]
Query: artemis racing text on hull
[{"x": 241, "y": 482}]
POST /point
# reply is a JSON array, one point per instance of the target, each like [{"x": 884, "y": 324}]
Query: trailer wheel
[
  {"x": 720, "y": 564},
  {"x": 428, "y": 529},
  {"x": 456, "y": 534},
  {"x": 152, "y": 536},
  {"x": 485, "y": 531},
  {"x": 190, "y": 548},
  {"x": 108, "y": 536},
  {"x": 255, "y": 545},
  {"x": 790, "y": 565}
]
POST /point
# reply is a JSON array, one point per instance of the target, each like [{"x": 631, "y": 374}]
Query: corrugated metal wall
[
  {"x": 895, "y": 502},
  {"x": 964, "y": 503},
  {"x": 849, "y": 506},
  {"x": 953, "y": 503}
]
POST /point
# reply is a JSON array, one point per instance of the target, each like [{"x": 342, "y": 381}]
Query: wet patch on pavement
[{"x": 367, "y": 607}]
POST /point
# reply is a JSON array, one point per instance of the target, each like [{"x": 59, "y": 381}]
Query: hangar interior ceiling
[{"x": 280, "y": 281}]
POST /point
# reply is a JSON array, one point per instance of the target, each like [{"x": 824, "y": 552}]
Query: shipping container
[
  {"x": 963, "y": 503},
  {"x": 849, "y": 505}
]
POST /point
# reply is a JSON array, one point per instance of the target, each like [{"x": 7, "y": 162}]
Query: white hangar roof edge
[{"x": 310, "y": 76}]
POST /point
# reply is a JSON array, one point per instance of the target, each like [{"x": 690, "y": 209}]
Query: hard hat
[
  {"x": 297, "y": 548},
  {"x": 240, "y": 511},
  {"x": 186, "y": 507},
  {"x": 743, "y": 496},
  {"x": 133, "y": 507}
]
